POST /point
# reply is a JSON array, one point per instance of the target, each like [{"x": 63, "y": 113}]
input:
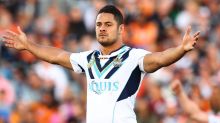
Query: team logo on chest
[{"x": 117, "y": 62}]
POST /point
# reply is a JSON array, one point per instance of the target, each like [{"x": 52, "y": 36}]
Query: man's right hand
[
  {"x": 13, "y": 40},
  {"x": 176, "y": 87}
]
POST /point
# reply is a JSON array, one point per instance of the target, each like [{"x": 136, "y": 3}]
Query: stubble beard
[{"x": 107, "y": 43}]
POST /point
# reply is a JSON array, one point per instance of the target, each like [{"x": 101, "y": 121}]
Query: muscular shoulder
[
  {"x": 139, "y": 52},
  {"x": 84, "y": 52},
  {"x": 81, "y": 54}
]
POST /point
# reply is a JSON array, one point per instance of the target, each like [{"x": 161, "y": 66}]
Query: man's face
[{"x": 107, "y": 29}]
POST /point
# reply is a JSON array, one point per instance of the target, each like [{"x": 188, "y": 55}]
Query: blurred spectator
[
  {"x": 7, "y": 92},
  {"x": 76, "y": 23},
  {"x": 52, "y": 75},
  {"x": 71, "y": 110},
  {"x": 6, "y": 99},
  {"x": 90, "y": 14},
  {"x": 46, "y": 111},
  {"x": 22, "y": 113},
  {"x": 142, "y": 31}
]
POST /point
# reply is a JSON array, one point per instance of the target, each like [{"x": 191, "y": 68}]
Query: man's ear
[{"x": 121, "y": 28}]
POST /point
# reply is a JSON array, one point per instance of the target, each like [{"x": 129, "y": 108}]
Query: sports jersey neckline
[{"x": 112, "y": 54}]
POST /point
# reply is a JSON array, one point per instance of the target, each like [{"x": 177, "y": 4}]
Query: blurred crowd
[{"x": 33, "y": 91}]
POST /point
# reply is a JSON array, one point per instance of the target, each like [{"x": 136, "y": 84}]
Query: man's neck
[{"x": 107, "y": 50}]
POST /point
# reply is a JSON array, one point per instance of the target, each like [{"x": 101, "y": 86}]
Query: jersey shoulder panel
[
  {"x": 79, "y": 60},
  {"x": 214, "y": 119}
]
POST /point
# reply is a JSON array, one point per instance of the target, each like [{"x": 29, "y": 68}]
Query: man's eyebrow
[
  {"x": 104, "y": 22},
  {"x": 108, "y": 22}
]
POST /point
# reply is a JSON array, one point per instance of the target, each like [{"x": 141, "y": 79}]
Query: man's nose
[{"x": 102, "y": 29}]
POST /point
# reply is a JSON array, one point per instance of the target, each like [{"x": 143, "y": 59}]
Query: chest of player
[{"x": 101, "y": 67}]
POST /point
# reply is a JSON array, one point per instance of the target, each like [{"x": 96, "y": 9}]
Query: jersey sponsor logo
[{"x": 103, "y": 86}]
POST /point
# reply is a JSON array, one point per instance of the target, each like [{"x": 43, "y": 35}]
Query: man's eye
[{"x": 98, "y": 24}]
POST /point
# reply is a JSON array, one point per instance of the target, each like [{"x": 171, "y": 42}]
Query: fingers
[
  {"x": 11, "y": 33},
  {"x": 9, "y": 36},
  {"x": 12, "y": 39},
  {"x": 9, "y": 45},
  {"x": 194, "y": 43},
  {"x": 196, "y": 34},
  {"x": 189, "y": 28},
  {"x": 6, "y": 37},
  {"x": 196, "y": 38},
  {"x": 19, "y": 30},
  {"x": 8, "y": 41},
  {"x": 176, "y": 87},
  {"x": 176, "y": 83}
]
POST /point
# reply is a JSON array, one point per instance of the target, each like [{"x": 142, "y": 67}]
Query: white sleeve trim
[
  {"x": 141, "y": 61},
  {"x": 141, "y": 64},
  {"x": 214, "y": 119},
  {"x": 74, "y": 64}
]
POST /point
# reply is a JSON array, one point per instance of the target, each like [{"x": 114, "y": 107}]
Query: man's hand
[
  {"x": 188, "y": 106},
  {"x": 13, "y": 40},
  {"x": 176, "y": 87},
  {"x": 188, "y": 41},
  {"x": 49, "y": 54}
]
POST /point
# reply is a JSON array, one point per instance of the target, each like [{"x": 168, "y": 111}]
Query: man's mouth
[{"x": 102, "y": 34}]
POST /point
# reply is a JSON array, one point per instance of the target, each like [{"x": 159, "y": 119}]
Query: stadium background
[{"x": 33, "y": 91}]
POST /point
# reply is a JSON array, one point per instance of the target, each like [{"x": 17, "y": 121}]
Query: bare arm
[
  {"x": 50, "y": 54},
  {"x": 188, "y": 105},
  {"x": 155, "y": 61},
  {"x": 192, "y": 109}
]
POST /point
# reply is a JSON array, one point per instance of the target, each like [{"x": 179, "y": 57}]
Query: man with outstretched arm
[
  {"x": 190, "y": 107},
  {"x": 114, "y": 71}
]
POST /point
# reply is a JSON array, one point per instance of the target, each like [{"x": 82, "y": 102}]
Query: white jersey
[
  {"x": 214, "y": 119},
  {"x": 112, "y": 83}
]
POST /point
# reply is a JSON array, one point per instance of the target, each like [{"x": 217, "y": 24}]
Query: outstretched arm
[
  {"x": 50, "y": 54},
  {"x": 155, "y": 61},
  {"x": 188, "y": 105}
]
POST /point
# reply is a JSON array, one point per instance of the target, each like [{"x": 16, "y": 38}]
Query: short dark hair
[{"x": 113, "y": 10}]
